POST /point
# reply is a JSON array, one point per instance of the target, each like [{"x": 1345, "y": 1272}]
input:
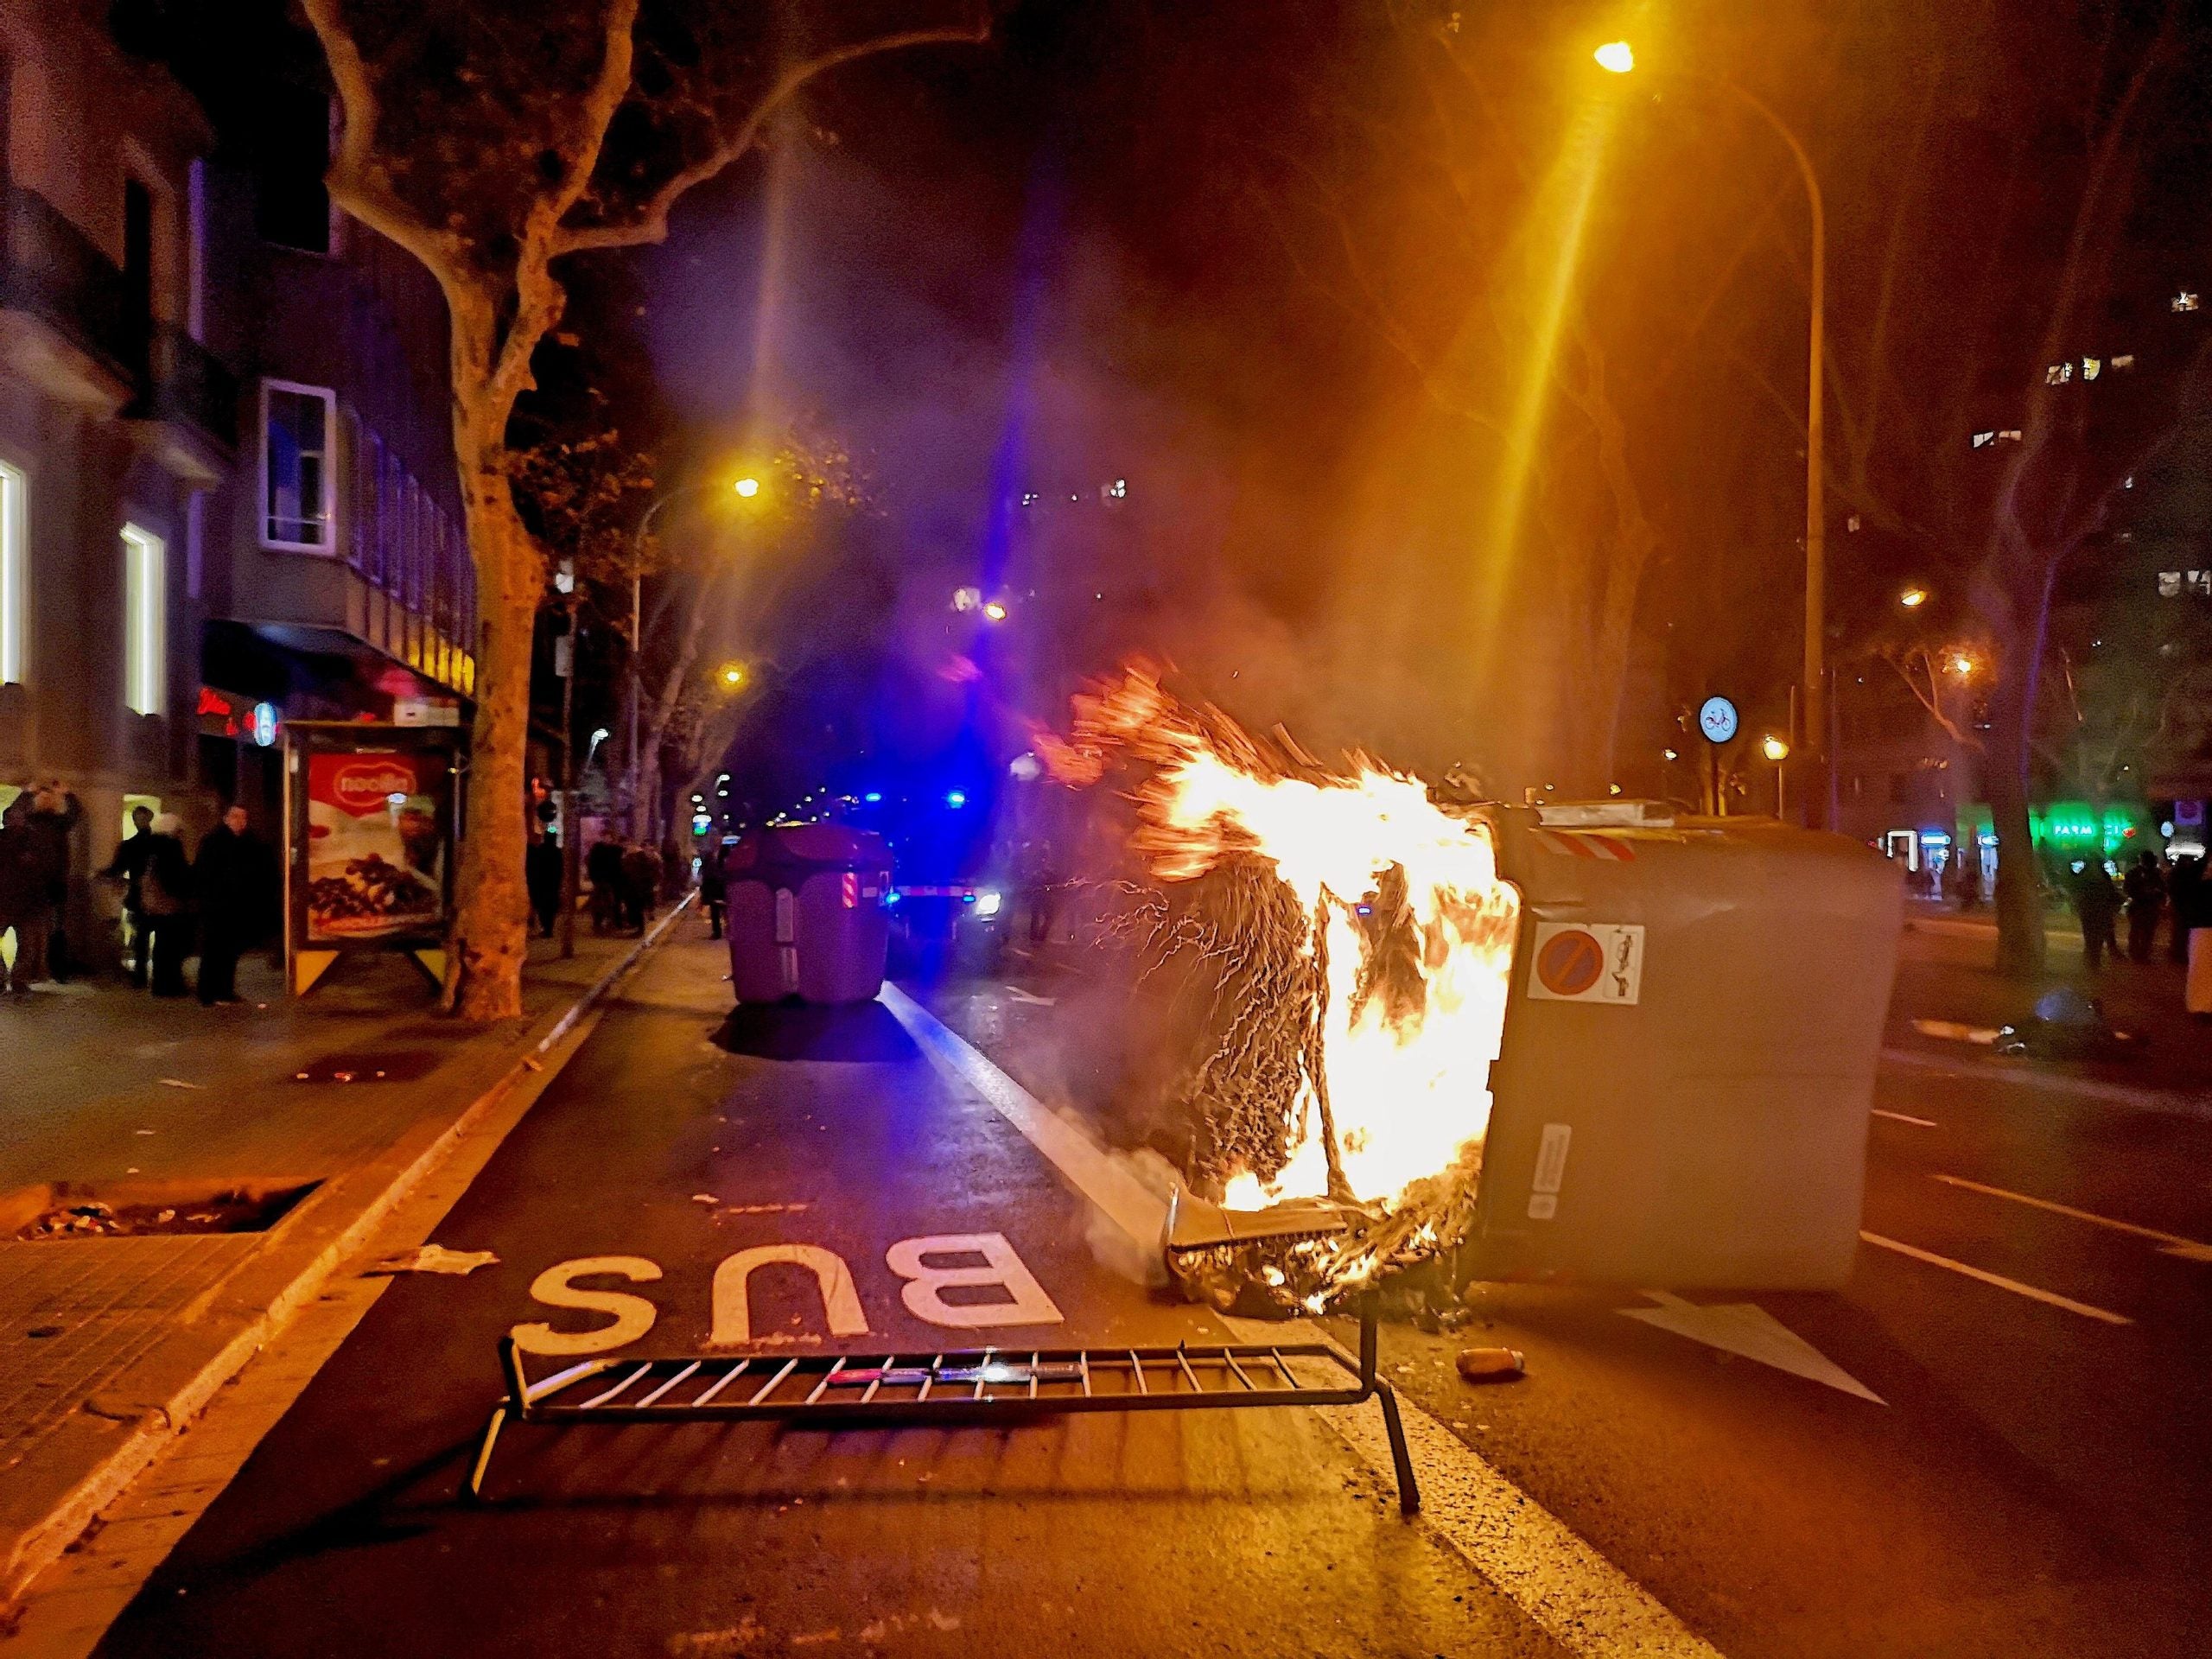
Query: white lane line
[
  {"x": 1124, "y": 1201},
  {"x": 2189, "y": 1249},
  {"x": 2031, "y": 1292},
  {"x": 1902, "y": 1117},
  {"x": 1536, "y": 1560}
]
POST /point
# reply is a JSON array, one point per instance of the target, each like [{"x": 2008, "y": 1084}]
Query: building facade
[
  {"x": 339, "y": 581},
  {"x": 113, "y": 417},
  {"x": 227, "y": 496}
]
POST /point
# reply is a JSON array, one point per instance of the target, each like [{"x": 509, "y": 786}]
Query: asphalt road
[
  {"x": 2029, "y": 1477},
  {"x": 682, "y": 1138},
  {"x": 2034, "y": 1479}
]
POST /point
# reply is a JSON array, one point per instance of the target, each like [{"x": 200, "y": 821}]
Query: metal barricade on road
[{"x": 990, "y": 1386}]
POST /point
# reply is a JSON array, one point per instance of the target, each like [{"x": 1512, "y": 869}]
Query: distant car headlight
[{"x": 987, "y": 903}]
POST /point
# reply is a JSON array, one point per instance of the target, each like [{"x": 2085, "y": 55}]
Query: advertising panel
[{"x": 378, "y": 833}]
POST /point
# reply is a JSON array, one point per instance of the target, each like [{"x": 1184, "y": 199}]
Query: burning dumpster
[
  {"x": 1597, "y": 1041},
  {"x": 1681, "y": 1090},
  {"x": 806, "y": 914}
]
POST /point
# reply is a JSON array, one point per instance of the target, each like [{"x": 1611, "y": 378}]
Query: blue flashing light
[
  {"x": 892, "y": 897},
  {"x": 1934, "y": 838},
  {"x": 967, "y": 898},
  {"x": 873, "y": 797},
  {"x": 956, "y": 797}
]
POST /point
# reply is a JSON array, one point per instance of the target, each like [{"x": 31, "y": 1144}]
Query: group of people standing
[
  {"x": 627, "y": 879},
  {"x": 224, "y": 897},
  {"x": 2148, "y": 890}
]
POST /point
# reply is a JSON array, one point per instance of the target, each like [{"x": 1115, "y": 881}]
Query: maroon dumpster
[{"x": 808, "y": 914}]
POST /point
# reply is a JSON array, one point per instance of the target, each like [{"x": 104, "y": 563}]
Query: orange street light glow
[
  {"x": 1961, "y": 664},
  {"x": 733, "y": 676},
  {"x": 1776, "y": 750},
  {"x": 1615, "y": 57},
  {"x": 748, "y": 487},
  {"x": 1913, "y": 598},
  {"x": 995, "y": 611}
]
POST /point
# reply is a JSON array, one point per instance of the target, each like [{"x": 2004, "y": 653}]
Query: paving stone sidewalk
[{"x": 105, "y": 1343}]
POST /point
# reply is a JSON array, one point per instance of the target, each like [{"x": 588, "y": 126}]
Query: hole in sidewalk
[
  {"x": 391, "y": 1065},
  {"x": 61, "y": 1210}
]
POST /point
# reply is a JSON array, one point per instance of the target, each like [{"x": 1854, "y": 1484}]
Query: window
[
  {"x": 2169, "y": 584},
  {"x": 2200, "y": 583},
  {"x": 14, "y": 577},
  {"x": 296, "y": 477},
  {"x": 291, "y": 204},
  {"x": 145, "y": 619}
]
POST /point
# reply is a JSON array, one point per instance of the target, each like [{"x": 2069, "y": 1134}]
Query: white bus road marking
[
  {"x": 2031, "y": 1292},
  {"x": 1536, "y": 1560},
  {"x": 2189, "y": 1250},
  {"x": 1902, "y": 1117}
]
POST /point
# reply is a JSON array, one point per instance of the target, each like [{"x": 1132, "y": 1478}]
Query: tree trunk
[
  {"x": 2019, "y": 882},
  {"x": 490, "y": 925},
  {"x": 662, "y": 710}
]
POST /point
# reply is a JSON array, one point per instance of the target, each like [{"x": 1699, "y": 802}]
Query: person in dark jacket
[
  {"x": 2144, "y": 884},
  {"x": 166, "y": 889},
  {"x": 22, "y": 897},
  {"x": 54, "y": 814},
  {"x": 128, "y": 866},
  {"x": 542, "y": 875},
  {"x": 714, "y": 886},
  {"x": 603, "y": 868},
  {"x": 2096, "y": 901},
  {"x": 234, "y": 885},
  {"x": 640, "y": 880},
  {"x": 2185, "y": 898}
]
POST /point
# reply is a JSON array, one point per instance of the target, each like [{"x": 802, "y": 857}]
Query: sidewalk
[{"x": 109, "y": 1345}]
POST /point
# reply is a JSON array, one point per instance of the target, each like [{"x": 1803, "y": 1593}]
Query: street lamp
[
  {"x": 732, "y": 675},
  {"x": 1776, "y": 751},
  {"x": 748, "y": 487},
  {"x": 1913, "y": 598},
  {"x": 995, "y": 610},
  {"x": 1619, "y": 58}
]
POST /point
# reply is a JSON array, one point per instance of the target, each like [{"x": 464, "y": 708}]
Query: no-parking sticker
[{"x": 1587, "y": 961}]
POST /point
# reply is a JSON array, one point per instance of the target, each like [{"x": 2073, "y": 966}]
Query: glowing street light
[
  {"x": 1961, "y": 663},
  {"x": 732, "y": 675},
  {"x": 1776, "y": 750},
  {"x": 995, "y": 610},
  {"x": 1913, "y": 598},
  {"x": 1616, "y": 57},
  {"x": 748, "y": 487}
]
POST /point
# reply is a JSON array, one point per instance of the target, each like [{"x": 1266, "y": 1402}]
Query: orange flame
[{"x": 1380, "y": 870}]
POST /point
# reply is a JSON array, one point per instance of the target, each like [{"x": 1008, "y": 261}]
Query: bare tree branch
[{"x": 650, "y": 224}]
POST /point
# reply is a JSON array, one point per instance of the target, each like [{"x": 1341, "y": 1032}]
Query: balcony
[
  {"x": 72, "y": 325},
  {"x": 186, "y": 406},
  {"x": 69, "y": 316}
]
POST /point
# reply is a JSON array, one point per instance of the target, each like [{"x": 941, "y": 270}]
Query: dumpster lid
[
  {"x": 1591, "y": 814},
  {"x": 836, "y": 846}
]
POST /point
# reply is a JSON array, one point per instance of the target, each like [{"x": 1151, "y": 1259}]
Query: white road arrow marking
[
  {"x": 2188, "y": 1249},
  {"x": 1748, "y": 1329}
]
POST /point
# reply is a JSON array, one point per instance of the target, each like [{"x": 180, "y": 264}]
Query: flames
[{"x": 1379, "y": 919}]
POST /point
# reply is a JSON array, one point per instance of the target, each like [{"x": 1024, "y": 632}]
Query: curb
[{"x": 37, "y": 1546}]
